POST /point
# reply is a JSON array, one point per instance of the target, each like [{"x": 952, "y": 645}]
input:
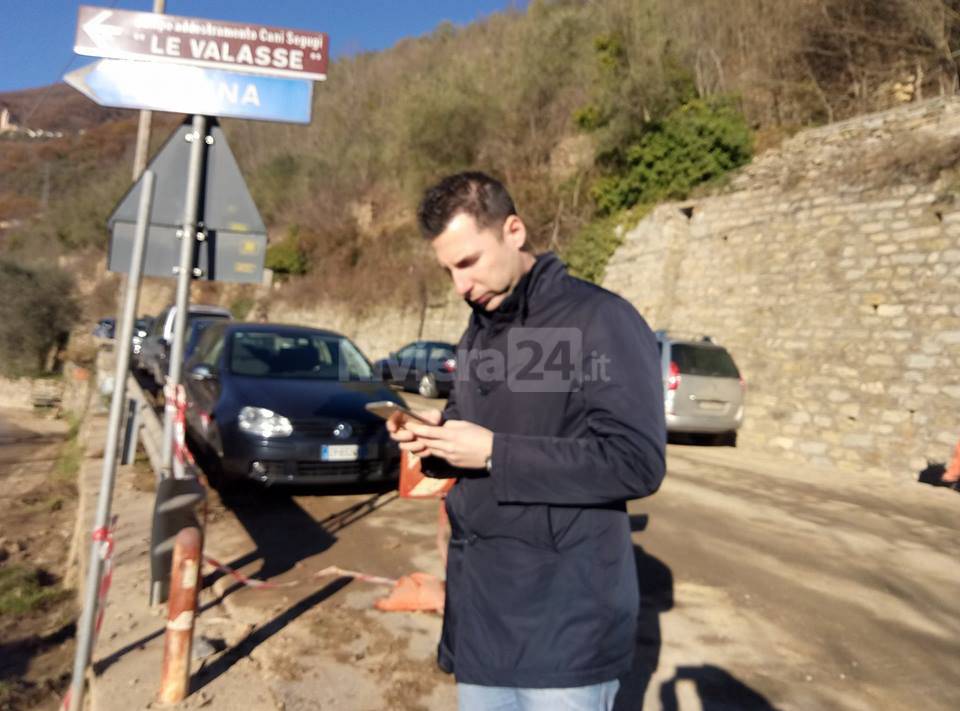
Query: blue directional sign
[{"x": 187, "y": 89}]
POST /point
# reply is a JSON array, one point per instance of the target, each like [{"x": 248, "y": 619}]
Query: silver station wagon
[{"x": 703, "y": 389}]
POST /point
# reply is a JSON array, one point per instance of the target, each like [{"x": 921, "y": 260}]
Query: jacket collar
[{"x": 546, "y": 271}]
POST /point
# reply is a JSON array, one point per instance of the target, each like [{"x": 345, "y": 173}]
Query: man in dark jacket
[{"x": 554, "y": 422}]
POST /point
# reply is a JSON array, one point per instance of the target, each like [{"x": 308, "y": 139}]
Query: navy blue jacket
[{"x": 541, "y": 577}]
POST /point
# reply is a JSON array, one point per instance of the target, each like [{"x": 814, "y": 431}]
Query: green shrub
[
  {"x": 67, "y": 467},
  {"x": 444, "y": 126},
  {"x": 697, "y": 143},
  {"x": 240, "y": 307},
  {"x": 590, "y": 118},
  {"x": 23, "y": 589},
  {"x": 37, "y": 311},
  {"x": 590, "y": 249},
  {"x": 287, "y": 258}
]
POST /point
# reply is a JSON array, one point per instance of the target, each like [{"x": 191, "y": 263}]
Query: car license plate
[
  {"x": 340, "y": 452},
  {"x": 711, "y": 405}
]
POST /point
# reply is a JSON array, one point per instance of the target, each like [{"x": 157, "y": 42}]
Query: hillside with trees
[{"x": 590, "y": 110}]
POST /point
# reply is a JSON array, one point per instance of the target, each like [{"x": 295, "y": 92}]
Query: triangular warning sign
[{"x": 236, "y": 236}]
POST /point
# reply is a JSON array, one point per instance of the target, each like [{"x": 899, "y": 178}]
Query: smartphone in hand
[{"x": 386, "y": 408}]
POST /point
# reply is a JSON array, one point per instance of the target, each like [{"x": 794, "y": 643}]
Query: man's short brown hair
[{"x": 473, "y": 193}]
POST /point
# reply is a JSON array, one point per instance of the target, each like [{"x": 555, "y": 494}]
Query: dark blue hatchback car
[{"x": 279, "y": 404}]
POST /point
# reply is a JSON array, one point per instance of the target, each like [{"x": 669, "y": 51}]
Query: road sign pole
[
  {"x": 146, "y": 119},
  {"x": 199, "y": 139},
  {"x": 86, "y": 631}
]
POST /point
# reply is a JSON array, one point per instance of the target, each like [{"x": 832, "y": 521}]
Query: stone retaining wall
[{"x": 829, "y": 268}]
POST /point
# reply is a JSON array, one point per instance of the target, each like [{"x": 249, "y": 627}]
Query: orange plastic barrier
[
  {"x": 414, "y": 485},
  {"x": 952, "y": 475},
  {"x": 415, "y": 592}
]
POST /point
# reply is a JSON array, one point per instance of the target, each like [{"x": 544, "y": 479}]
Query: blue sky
[{"x": 36, "y": 36}]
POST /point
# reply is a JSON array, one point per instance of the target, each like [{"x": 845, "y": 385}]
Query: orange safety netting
[{"x": 414, "y": 592}]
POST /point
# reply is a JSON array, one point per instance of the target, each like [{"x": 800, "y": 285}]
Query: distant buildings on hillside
[{"x": 9, "y": 129}]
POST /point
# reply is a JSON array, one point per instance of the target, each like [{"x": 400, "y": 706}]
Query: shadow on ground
[
  {"x": 933, "y": 475},
  {"x": 284, "y": 534},
  {"x": 716, "y": 689},
  {"x": 15, "y": 659}
]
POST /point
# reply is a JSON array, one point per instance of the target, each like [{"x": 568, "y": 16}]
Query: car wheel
[{"x": 428, "y": 386}]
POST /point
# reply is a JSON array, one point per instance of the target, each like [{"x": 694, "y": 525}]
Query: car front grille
[
  {"x": 344, "y": 469},
  {"x": 324, "y": 427},
  {"x": 363, "y": 469}
]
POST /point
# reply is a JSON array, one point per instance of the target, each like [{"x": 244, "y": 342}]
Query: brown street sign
[{"x": 248, "y": 48}]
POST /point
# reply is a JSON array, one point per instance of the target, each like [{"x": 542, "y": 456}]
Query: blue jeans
[{"x": 598, "y": 697}]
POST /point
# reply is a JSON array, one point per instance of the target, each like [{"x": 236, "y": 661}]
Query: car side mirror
[{"x": 201, "y": 372}]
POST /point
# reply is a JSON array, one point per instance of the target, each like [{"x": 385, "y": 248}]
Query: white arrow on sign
[{"x": 99, "y": 32}]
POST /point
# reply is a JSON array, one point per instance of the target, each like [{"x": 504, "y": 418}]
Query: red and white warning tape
[
  {"x": 176, "y": 400},
  {"x": 333, "y": 570},
  {"x": 104, "y": 535},
  {"x": 330, "y": 571},
  {"x": 249, "y": 582}
]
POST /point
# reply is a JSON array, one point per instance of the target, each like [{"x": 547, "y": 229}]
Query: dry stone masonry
[{"x": 829, "y": 267}]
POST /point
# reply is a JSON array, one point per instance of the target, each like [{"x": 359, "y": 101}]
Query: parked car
[
  {"x": 155, "y": 352},
  {"x": 426, "y": 367},
  {"x": 141, "y": 327},
  {"x": 280, "y": 404},
  {"x": 105, "y": 328},
  {"x": 703, "y": 389}
]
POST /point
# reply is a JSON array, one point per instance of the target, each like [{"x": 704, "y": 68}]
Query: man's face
[{"x": 484, "y": 263}]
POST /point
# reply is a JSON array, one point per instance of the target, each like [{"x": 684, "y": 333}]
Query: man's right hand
[{"x": 396, "y": 426}]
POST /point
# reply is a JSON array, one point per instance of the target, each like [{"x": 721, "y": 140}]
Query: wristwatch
[{"x": 488, "y": 465}]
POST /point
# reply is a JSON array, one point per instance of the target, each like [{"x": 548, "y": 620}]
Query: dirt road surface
[
  {"x": 765, "y": 586},
  {"x": 776, "y": 585},
  {"x": 37, "y": 510}
]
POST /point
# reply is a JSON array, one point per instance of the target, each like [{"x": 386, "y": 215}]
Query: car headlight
[{"x": 264, "y": 423}]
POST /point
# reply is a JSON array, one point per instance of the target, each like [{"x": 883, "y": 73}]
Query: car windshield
[
  {"x": 299, "y": 355},
  {"x": 711, "y": 361},
  {"x": 196, "y": 327}
]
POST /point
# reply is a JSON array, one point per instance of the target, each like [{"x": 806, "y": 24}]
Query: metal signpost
[
  {"x": 200, "y": 67},
  {"x": 86, "y": 626},
  {"x": 146, "y": 120},
  {"x": 188, "y": 235}
]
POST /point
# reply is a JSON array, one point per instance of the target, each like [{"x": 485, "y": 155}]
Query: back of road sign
[{"x": 236, "y": 238}]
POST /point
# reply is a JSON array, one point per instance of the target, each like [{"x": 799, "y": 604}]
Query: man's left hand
[{"x": 461, "y": 443}]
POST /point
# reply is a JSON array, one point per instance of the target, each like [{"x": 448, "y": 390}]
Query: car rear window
[
  {"x": 711, "y": 361},
  {"x": 194, "y": 315},
  {"x": 438, "y": 353}
]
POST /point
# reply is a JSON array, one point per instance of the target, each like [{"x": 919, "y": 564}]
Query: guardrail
[{"x": 144, "y": 424}]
